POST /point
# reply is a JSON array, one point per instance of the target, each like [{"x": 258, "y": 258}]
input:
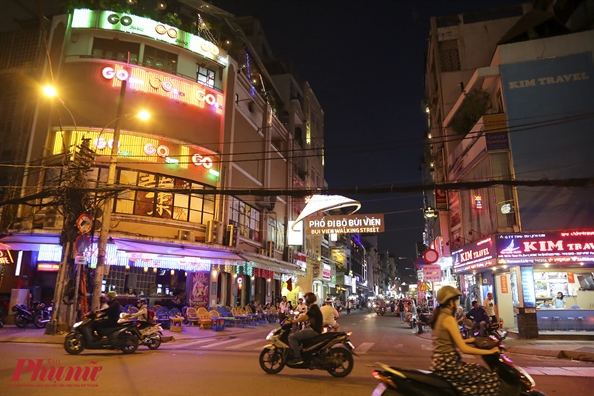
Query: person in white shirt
[
  {"x": 284, "y": 309},
  {"x": 301, "y": 307},
  {"x": 330, "y": 314},
  {"x": 489, "y": 305}
]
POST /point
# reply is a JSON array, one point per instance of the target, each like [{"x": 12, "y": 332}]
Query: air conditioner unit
[
  {"x": 270, "y": 248},
  {"x": 267, "y": 203},
  {"x": 185, "y": 235}
]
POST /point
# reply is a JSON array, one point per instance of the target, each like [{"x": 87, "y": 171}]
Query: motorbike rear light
[{"x": 380, "y": 377}]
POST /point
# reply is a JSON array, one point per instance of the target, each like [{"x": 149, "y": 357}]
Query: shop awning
[
  {"x": 181, "y": 248},
  {"x": 272, "y": 264},
  {"x": 28, "y": 242}
]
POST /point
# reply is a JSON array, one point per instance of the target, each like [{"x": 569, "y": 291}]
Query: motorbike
[
  {"x": 43, "y": 314},
  {"x": 23, "y": 315},
  {"x": 330, "y": 351},
  {"x": 470, "y": 329},
  {"x": 150, "y": 335},
  {"x": 380, "y": 310},
  {"x": 124, "y": 336},
  {"x": 514, "y": 380}
]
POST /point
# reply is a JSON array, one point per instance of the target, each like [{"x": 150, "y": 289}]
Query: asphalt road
[{"x": 229, "y": 366}]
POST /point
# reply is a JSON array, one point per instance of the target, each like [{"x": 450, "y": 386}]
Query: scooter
[
  {"x": 380, "y": 310},
  {"x": 124, "y": 336},
  {"x": 323, "y": 352},
  {"x": 395, "y": 381},
  {"x": 23, "y": 316},
  {"x": 151, "y": 335},
  {"x": 43, "y": 314}
]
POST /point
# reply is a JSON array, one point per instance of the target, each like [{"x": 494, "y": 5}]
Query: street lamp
[
  {"x": 51, "y": 92},
  {"x": 108, "y": 204}
]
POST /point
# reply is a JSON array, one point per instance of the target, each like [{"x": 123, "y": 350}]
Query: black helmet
[
  {"x": 310, "y": 298},
  {"x": 447, "y": 293},
  {"x": 142, "y": 300}
]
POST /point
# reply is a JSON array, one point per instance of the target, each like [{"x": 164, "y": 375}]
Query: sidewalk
[{"x": 11, "y": 333}]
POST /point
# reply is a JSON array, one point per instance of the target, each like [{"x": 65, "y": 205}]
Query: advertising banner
[
  {"x": 560, "y": 246},
  {"x": 350, "y": 224},
  {"x": 528, "y": 294},
  {"x": 199, "y": 282},
  {"x": 476, "y": 255},
  {"x": 548, "y": 103}
]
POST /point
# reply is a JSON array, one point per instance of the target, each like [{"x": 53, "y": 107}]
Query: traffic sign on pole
[{"x": 81, "y": 244}]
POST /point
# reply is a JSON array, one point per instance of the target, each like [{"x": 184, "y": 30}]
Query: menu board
[
  {"x": 548, "y": 284},
  {"x": 527, "y": 275}
]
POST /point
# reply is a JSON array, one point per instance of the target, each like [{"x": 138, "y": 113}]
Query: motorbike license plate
[
  {"x": 379, "y": 389},
  {"x": 350, "y": 344}
]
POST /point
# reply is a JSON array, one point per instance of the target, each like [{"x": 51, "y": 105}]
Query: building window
[
  {"x": 115, "y": 50},
  {"x": 448, "y": 55},
  {"x": 159, "y": 59},
  {"x": 205, "y": 76},
  {"x": 246, "y": 218},
  {"x": 194, "y": 208},
  {"x": 276, "y": 233}
]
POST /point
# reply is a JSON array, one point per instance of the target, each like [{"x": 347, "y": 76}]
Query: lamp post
[{"x": 108, "y": 204}]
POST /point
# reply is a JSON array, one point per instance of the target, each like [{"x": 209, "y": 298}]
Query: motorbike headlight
[
  {"x": 270, "y": 335},
  {"x": 74, "y": 326},
  {"x": 526, "y": 378}
]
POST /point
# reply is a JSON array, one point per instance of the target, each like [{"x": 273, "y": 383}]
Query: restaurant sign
[
  {"x": 350, "y": 224},
  {"x": 546, "y": 244},
  {"x": 479, "y": 254},
  {"x": 5, "y": 257},
  {"x": 134, "y": 24}
]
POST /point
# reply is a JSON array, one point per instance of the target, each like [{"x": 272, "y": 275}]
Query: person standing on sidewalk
[
  {"x": 490, "y": 307},
  {"x": 401, "y": 310},
  {"x": 349, "y": 306},
  {"x": 283, "y": 309}
]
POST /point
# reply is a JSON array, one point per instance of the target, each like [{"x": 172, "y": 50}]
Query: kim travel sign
[{"x": 350, "y": 224}]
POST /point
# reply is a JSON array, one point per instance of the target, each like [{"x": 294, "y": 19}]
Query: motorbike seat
[
  {"x": 311, "y": 341},
  {"x": 428, "y": 378}
]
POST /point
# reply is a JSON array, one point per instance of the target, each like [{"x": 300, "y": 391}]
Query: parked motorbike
[
  {"x": 124, "y": 336},
  {"x": 395, "y": 381},
  {"x": 150, "y": 335},
  {"x": 23, "y": 315},
  {"x": 470, "y": 329},
  {"x": 380, "y": 310},
  {"x": 43, "y": 314},
  {"x": 323, "y": 352}
]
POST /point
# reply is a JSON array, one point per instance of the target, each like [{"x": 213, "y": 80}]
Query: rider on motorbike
[
  {"x": 315, "y": 318},
  {"x": 109, "y": 315},
  {"x": 467, "y": 378},
  {"x": 330, "y": 314},
  {"x": 142, "y": 315}
]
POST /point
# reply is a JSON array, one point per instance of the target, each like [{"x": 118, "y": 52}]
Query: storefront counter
[{"x": 552, "y": 319}]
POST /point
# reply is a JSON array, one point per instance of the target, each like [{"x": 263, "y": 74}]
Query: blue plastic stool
[
  {"x": 556, "y": 323},
  {"x": 545, "y": 323}
]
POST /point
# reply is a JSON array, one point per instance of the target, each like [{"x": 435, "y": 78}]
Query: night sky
[{"x": 365, "y": 63}]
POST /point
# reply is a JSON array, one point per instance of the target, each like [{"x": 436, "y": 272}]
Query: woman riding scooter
[{"x": 467, "y": 378}]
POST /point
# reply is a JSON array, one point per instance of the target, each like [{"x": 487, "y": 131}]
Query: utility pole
[
  {"x": 108, "y": 206},
  {"x": 74, "y": 203}
]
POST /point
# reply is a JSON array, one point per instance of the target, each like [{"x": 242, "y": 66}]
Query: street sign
[
  {"x": 82, "y": 243},
  {"x": 419, "y": 263},
  {"x": 80, "y": 260},
  {"x": 431, "y": 256},
  {"x": 432, "y": 273},
  {"x": 84, "y": 223}
]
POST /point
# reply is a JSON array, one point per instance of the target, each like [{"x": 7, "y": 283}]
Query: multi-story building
[
  {"x": 219, "y": 121},
  {"x": 509, "y": 97}
]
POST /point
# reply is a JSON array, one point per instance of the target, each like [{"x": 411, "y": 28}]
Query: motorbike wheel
[
  {"x": 128, "y": 343},
  {"x": 154, "y": 342},
  {"x": 347, "y": 362},
  {"x": 74, "y": 343},
  {"x": 20, "y": 322},
  {"x": 37, "y": 321},
  {"x": 271, "y": 360},
  {"x": 383, "y": 313}
]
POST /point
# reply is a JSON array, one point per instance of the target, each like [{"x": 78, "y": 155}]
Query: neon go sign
[
  {"x": 148, "y": 81},
  {"x": 163, "y": 152}
]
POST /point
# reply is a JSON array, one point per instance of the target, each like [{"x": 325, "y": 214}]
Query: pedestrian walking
[
  {"x": 401, "y": 310},
  {"x": 349, "y": 306}
]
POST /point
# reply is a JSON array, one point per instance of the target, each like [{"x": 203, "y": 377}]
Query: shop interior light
[
  {"x": 145, "y": 269},
  {"x": 155, "y": 269},
  {"x": 172, "y": 272}
]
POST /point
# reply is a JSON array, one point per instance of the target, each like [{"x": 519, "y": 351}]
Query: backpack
[{"x": 150, "y": 316}]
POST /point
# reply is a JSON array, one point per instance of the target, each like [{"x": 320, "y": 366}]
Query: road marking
[
  {"x": 364, "y": 347},
  {"x": 184, "y": 345},
  {"x": 219, "y": 343},
  {"x": 243, "y": 344},
  {"x": 398, "y": 346},
  {"x": 561, "y": 371}
]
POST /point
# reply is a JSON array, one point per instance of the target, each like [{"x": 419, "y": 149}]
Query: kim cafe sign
[{"x": 351, "y": 224}]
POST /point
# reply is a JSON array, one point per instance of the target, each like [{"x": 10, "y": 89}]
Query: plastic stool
[
  {"x": 545, "y": 322},
  {"x": 580, "y": 323},
  {"x": 556, "y": 322},
  {"x": 570, "y": 323}
]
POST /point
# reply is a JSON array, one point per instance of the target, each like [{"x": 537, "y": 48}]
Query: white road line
[
  {"x": 398, "y": 346},
  {"x": 364, "y": 347},
  {"x": 184, "y": 345},
  {"x": 243, "y": 344},
  {"x": 219, "y": 343}
]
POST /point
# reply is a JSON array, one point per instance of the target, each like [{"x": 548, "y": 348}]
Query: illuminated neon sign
[
  {"x": 547, "y": 244},
  {"x": 138, "y": 147},
  {"x": 5, "y": 257},
  {"x": 109, "y": 20},
  {"x": 147, "y": 80}
]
